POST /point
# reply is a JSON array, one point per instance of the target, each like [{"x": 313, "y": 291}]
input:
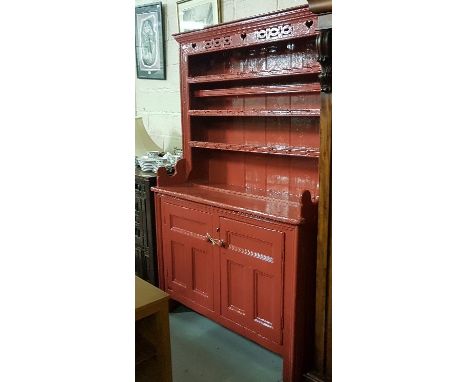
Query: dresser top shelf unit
[{"x": 250, "y": 95}]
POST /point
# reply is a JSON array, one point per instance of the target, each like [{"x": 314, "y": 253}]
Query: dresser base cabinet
[{"x": 237, "y": 270}]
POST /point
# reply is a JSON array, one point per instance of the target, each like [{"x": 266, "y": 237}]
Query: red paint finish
[
  {"x": 256, "y": 279},
  {"x": 237, "y": 221},
  {"x": 188, "y": 258}
]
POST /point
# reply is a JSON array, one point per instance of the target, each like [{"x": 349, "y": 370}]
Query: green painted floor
[{"x": 203, "y": 351}]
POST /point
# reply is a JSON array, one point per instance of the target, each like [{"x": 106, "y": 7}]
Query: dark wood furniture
[
  {"x": 152, "y": 337},
  {"x": 145, "y": 240},
  {"x": 321, "y": 361},
  {"x": 237, "y": 222}
]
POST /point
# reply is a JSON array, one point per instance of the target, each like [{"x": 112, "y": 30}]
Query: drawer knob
[
  {"x": 214, "y": 241},
  {"x": 210, "y": 239}
]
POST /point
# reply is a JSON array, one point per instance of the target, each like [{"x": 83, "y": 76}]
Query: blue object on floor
[{"x": 203, "y": 351}]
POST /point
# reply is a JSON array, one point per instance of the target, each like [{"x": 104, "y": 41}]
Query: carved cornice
[
  {"x": 288, "y": 24},
  {"x": 324, "y": 48}
]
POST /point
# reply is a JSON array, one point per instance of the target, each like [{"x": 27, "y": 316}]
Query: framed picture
[
  {"x": 149, "y": 42},
  {"x": 197, "y": 14}
]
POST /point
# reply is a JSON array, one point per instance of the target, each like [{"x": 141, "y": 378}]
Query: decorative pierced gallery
[{"x": 237, "y": 222}]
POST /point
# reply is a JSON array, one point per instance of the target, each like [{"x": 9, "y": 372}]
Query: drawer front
[
  {"x": 252, "y": 277},
  {"x": 188, "y": 257}
]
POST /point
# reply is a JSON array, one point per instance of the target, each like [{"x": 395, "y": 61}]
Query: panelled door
[
  {"x": 251, "y": 260},
  {"x": 188, "y": 256}
]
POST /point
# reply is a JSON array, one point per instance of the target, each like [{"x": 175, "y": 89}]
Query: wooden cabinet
[
  {"x": 230, "y": 269},
  {"x": 237, "y": 221},
  {"x": 145, "y": 240}
]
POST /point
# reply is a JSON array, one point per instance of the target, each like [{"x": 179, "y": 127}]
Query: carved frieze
[
  {"x": 248, "y": 252},
  {"x": 217, "y": 42},
  {"x": 295, "y": 23},
  {"x": 274, "y": 32}
]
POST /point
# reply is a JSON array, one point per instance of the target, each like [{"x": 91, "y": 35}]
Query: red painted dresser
[{"x": 237, "y": 222}]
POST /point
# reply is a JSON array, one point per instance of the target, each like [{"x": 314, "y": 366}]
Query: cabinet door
[
  {"x": 251, "y": 277},
  {"x": 188, "y": 257}
]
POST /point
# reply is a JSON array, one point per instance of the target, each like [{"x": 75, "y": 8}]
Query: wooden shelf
[
  {"x": 257, "y": 90},
  {"x": 316, "y": 69},
  {"x": 282, "y": 208},
  {"x": 256, "y": 113},
  {"x": 308, "y": 152}
]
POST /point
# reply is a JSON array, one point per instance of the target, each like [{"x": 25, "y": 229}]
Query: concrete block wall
[{"x": 158, "y": 101}]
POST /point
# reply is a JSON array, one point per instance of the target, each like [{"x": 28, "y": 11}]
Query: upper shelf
[
  {"x": 315, "y": 69},
  {"x": 256, "y": 113},
  {"x": 257, "y": 90}
]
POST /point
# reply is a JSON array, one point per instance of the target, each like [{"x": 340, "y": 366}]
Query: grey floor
[{"x": 203, "y": 351}]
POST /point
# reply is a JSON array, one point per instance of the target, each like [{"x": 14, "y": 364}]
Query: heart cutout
[
  {"x": 309, "y": 23},
  {"x": 243, "y": 36},
  {"x": 194, "y": 45}
]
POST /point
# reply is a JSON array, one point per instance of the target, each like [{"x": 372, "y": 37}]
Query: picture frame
[
  {"x": 197, "y": 14},
  {"x": 149, "y": 42}
]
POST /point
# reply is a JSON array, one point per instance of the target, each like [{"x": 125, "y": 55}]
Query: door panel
[
  {"x": 236, "y": 303},
  {"x": 188, "y": 257},
  {"x": 202, "y": 276},
  {"x": 263, "y": 310},
  {"x": 178, "y": 274},
  {"x": 251, "y": 277}
]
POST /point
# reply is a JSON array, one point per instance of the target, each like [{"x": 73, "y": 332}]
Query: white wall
[{"x": 158, "y": 101}]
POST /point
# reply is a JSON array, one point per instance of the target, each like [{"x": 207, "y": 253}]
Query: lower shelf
[{"x": 307, "y": 152}]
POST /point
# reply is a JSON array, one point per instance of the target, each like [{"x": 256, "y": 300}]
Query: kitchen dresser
[{"x": 237, "y": 222}]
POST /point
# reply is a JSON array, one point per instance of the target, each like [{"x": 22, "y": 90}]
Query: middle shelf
[
  {"x": 309, "y": 152},
  {"x": 259, "y": 89}
]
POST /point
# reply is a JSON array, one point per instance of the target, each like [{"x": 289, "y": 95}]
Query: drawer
[{"x": 186, "y": 218}]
